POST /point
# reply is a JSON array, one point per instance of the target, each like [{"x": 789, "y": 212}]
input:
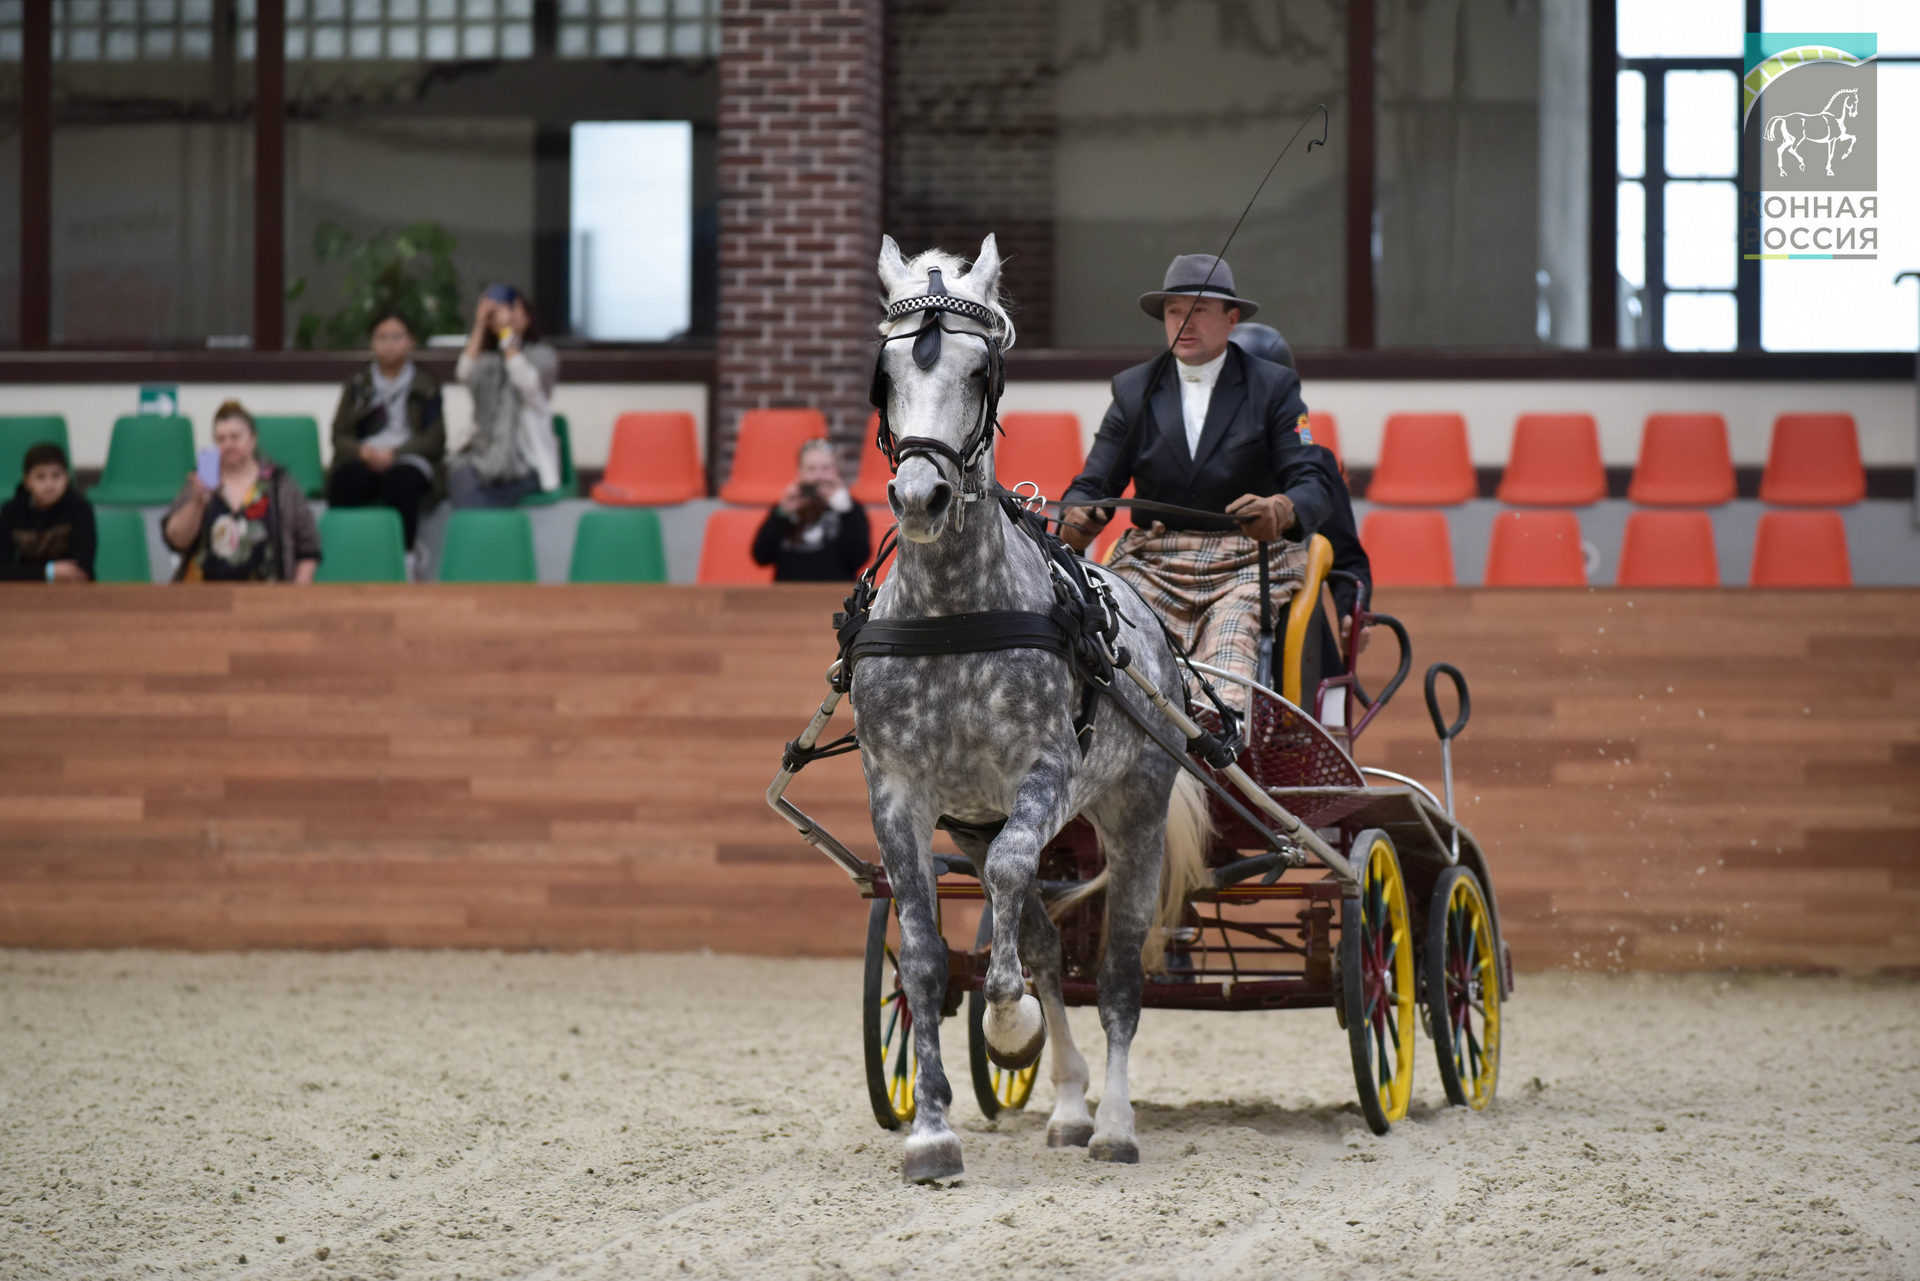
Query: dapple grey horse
[{"x": 981, "y": 737}]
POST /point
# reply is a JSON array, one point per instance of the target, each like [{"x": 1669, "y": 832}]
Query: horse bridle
[{"x": 926, "y": 353}]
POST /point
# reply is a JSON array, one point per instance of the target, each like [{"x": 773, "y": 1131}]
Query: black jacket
[
  {"x": 1342, "y": 534},
  {"x": 1248, "y": 445},
  {"x": 33, "y": 537},
  {"x": 839, "y": 558},
  {"x": 358, "y": 416}
]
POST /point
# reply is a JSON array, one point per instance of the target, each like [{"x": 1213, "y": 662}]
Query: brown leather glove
[
  {"x": 1263, "y": 519},
  {"x": 1079, "y": 526}
]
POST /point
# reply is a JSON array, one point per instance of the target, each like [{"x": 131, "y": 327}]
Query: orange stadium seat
[
  {"x": 1325, "y": 431},
  {"x": 654, "y": 461},
  {"x": 1408, "y": 549},
  {"x": 726, "y": 549},
  {"x": 1684, "y": 462},
  {"x": 1668, "y": 549},
  {"x": 1801, "y": 549},
  {"x": 1536, "y": 549},
  {"x": 870, "y": 486},
  {"x": 1042, "y": 448},
  {"x": 1813, "y": 460},
  {"x": 767, "y": 452},
  {"x": 1423, "y": 462},
  {"x": 1554, "y": 462}
]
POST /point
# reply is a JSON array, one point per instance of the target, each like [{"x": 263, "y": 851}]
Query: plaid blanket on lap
[{"x": 1207, "y": 588}]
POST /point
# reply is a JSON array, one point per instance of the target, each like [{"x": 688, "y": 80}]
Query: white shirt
[{"x": 1196, "y": 391}]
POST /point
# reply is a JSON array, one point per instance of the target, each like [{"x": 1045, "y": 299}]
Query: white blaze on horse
[
  {"x": 1829, "y": 127},
  {"x": 988, "y": 737}
]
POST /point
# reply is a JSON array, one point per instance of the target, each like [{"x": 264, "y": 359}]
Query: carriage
[{"x": 1333, "y": 885}]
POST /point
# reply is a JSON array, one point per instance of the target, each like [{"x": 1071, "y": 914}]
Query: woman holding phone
[
  {"x": 511, "y": 373},
  {"x": 241, "y": 518}
]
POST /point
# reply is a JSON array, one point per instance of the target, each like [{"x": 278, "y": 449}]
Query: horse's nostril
[
  {"x": 893, "y": 501},
  {"x": 937, "y": 501}
]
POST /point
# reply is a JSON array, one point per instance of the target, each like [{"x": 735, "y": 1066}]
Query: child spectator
[
  {"x": 254, "y": 526},
  {"x": 389, "y": 438},
  {"x": 511, "y": 373},
  {"x": 816, "y": 533},
  {"x": 48, "y": 528}
]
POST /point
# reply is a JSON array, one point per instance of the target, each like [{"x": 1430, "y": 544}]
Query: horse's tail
[
  {"x": 1774, "y": 125},
  {"x": 1183, "y": 870}
]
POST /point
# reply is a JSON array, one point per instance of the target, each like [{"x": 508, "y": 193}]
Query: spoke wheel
[
  {"x": 1376, "y": 981},
  {"x": 886, "y": 1023},
  {"x": 1463, "y": 989},
  {"x": 995, "y": 1089}
]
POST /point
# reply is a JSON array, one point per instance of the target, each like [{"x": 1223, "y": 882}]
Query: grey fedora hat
[{"x": 1189, "y": 274}]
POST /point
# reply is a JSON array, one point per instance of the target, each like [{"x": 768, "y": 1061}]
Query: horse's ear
[
  {"x": 984, "y": 275},
  {"x": 893, "y": 268}
]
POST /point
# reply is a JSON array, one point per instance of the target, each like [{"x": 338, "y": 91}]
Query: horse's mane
[{"x": 954, "y": 274}]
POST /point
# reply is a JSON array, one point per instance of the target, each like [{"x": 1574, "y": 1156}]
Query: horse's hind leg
[
  {"x": 1135, "y": 850},
  {"x": 933, "y": 1149},
  {"x": 1069, "y": 1125}
]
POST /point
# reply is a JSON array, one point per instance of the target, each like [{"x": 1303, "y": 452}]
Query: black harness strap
[{"x": 976, "y": 633}]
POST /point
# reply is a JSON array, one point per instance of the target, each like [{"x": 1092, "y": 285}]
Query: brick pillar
[{"x": 799, "y": 173}]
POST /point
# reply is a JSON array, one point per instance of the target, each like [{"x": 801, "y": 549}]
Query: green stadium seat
[
  {"x": 569, "y": 479},
  {"x": 21, "y": 432},
  {"x": 488, "y": 547},
  {"x": 293, "y": 441},
  {"x": 361, "y": 545},
  {"x": 121, "y": 556},
  {"x": 619, "y": 545},
  {"x": 148, "y": 459}
]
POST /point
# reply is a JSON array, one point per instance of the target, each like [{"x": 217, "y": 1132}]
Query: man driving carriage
[{"x": 1206, "y": 427}]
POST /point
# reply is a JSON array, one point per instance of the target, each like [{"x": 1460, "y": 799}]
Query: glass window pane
[
  {"x": 574, "y": 40},
  {"x": 84, "y": 46},
  {"x": 650, "y": 40},
  {"x": 1702, "y": 235},
  {"x": 296, "y": 44},
  {"x": 1631, "y": 216},
  {"x": 406, "y": 10},
  {"x": 1683, "y": 28},
  {"x": 1631, "y": 143},
  {"x": 158, "y": 44},
  {"x": 1703, "y": 124},
  {"x": 632, "y": 233},
  {"x": 1895, "y": 22},
  {"x": 329, "y": 10},
  {"x": 366, "y": 42},
  {"x": 196, "y": 44},
  {"x": 1700, "y": 322},
  {"x": 689, "y": 39},
  {"x": 9, "y": 46},
  {"x": 329, "y": 42},
  {"x": 610, "y": 39},
  {"x": 122, "y": 45},
  {"x": 366, "y": 10},
  {"x": 477, "y": 42},
  {"x": 403, "y": 42},
  {"x": 443, "y": 43},
  {"x": 443, "y": 8},
  {"x": 516, "y": 40}
]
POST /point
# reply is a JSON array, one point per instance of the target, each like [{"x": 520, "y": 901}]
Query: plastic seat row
[
  {"x": 149, "y": 455},
  {"x": 1812, "y": 460},
  {"x": 1659, "y": 549}
]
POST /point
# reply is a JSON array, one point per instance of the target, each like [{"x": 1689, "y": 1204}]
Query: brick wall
[
  {"x": 799, "y": 185},
  {"x": 971, "y": 139}
]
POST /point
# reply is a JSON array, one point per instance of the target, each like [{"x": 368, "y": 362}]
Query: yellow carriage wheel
[
  {"x": 995, "y": 1088},
  {"x": 1377, "y": 981},
  {"x": 1462, "y": 973},
  {"x": 886, "y": 1022}
]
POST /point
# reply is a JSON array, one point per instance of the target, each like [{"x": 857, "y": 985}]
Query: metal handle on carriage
[
  {"x": 1256, "y": 795},
  {"x": 1375, "y": 705},
  {"x": 1448, "y": 732}
]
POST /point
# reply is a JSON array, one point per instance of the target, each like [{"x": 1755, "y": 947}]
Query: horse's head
[
  {"x": 1852, "y": 104},
  {"x": 936, "y": 381}
]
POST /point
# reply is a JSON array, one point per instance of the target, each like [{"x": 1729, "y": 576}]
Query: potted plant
[{"x": 409, "y": 270}]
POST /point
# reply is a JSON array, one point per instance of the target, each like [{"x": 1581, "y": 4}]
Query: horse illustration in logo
[{"x": 1829, "y": 127}]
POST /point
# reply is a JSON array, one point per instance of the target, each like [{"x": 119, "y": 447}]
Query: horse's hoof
[
  {"x": 1016, "y": 1034},
  {"x": 1119, "y": 1151},
  {"x": 1069, "y": 1134},
  {"x": 931, "y": 1158}
]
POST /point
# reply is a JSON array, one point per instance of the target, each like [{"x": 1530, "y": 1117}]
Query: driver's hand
[
  {"x": 1079, "y": 526},
  {"x": 1263, "y": 519}
]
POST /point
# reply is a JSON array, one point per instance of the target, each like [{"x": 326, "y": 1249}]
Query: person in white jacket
[{"x": 511, "y": 372}]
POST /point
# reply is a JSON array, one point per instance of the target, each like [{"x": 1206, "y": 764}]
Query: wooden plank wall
[{"x": 1662, "y": 780}]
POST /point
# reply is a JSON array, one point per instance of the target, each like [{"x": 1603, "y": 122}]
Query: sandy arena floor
[{"x": 401, "y": 1115}]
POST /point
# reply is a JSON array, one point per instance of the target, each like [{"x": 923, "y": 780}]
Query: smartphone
[{"x": 207, "y": 463}]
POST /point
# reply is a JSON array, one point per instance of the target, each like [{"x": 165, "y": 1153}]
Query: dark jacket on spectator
[
  {"x": 34, "y": 537},
  {"x": 298, "y": 532},
  {"x": 1342, "y": 534},
  {"x": 358, "y": 417},
  {"x": 836, "y": 555}
]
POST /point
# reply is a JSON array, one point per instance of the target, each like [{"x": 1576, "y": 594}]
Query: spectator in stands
[
  {"x": 46, "y": 526},
  {"x": 389, "y": 437},
  {"x": 254, "y": 526},
  {"x": 511, "y": 372},
  {"x": 816, "y": 533}
]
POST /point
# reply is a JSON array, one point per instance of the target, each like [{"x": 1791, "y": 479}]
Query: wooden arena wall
[{"x": 1665, "y": 781}]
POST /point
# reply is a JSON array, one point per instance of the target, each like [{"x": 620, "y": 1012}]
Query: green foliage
[{"x": 409, "y": 271}]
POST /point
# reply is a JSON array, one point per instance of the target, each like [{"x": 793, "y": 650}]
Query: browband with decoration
[{"x": 941, "y": 302}]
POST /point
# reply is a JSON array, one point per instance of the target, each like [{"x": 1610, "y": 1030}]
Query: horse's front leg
[
  {"x": 1015, "y": 1026},
  {"x": 903, "y": 826}
]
